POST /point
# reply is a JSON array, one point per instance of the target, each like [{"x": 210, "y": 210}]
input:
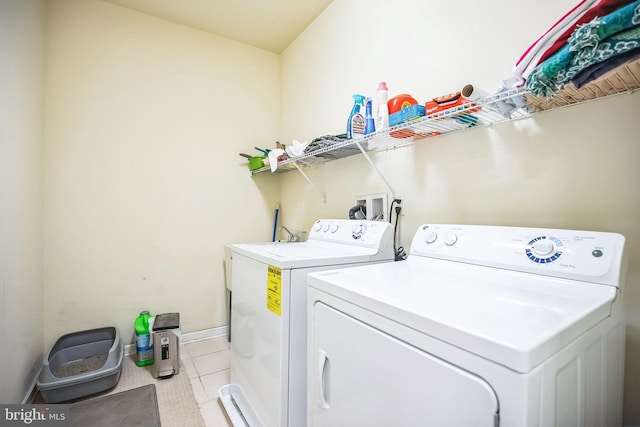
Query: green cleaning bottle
[{"x": 144, "y": 349}]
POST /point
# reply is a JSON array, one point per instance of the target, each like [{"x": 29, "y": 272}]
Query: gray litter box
[{"x": 81, "y": 364}]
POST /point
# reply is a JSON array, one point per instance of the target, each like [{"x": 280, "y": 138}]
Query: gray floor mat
[{"x": 132, "y": 408}]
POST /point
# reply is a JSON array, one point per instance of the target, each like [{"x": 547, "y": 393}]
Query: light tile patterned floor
[{"x": 206, "y": 363}]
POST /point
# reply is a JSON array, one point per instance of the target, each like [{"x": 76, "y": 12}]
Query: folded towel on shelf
[
  {"x": 584, "y": 40},
  {"x": 556, "y": 36},
  {"x": 328, "y": 141},
  {"x": 594, "y": 71},
  {"x": 533, "y": 55},
  {"x": 620, "y": 79},
  {"x": 324, "y": 142},
  {"x": 596, "y": 42}
]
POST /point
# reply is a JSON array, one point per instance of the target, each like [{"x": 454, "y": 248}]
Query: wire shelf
[
  {"x": 503, "y": 106},
  {"x": 491, "y": 110}
]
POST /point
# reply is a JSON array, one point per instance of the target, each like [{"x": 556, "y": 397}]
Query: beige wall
[
  {"x": 21, "y": 306},
  {"x": 143, "y": 185},
  {"x": 572, "y": 168},
  {"x": 142, "y": 179}
]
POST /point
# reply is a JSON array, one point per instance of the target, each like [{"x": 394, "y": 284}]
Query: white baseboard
[
  {"x": 188, "y": 337},
  {"x": 221, "y": 331},
  {"x": 31, "y": 394}
]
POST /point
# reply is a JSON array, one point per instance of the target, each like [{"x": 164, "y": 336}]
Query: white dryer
[
  {"x": 269, "y": 314},
  {"x": 480, "y": 326}
]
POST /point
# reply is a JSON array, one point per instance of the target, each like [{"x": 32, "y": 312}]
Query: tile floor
[{"x": 206, "y": 362}]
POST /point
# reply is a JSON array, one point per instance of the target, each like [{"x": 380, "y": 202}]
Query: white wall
[
  {"x": 571, "y": 168},
  {"x": 21, "y": 305},
  {"x": 143, "y": 183}
]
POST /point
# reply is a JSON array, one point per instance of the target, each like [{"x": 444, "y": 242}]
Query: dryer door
[{"x": 362, "y": 376}]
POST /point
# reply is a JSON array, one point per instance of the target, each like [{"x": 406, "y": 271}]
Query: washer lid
[
  {"x": 515, "y": 319},
  {"x": 311, "y": 253}
]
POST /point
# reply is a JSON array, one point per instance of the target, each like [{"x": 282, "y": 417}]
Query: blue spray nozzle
[
  {"x": 369, "y": 101},
  {"x": 359, "y": 99}
]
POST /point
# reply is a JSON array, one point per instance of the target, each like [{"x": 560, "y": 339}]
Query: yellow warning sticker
[{"x": 274, "y": 290}]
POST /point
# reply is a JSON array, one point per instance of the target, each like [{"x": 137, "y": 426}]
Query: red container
[{"x": 400, "y": 102}]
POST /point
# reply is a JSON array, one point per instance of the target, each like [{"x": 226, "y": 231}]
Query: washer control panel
[
  {"x": 354, "y": 232},
  {"x": 583, "y": 255}
]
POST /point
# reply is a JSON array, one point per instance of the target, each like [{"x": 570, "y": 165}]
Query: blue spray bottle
[
  {"x": 371, "y": 124},
  {"x": 356, "y": 122}
]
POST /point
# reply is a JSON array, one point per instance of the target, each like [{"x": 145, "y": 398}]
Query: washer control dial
[
  {"x": 450, "y": 239},
  {"x": 430, "y": 237},
  {"x": 359, "y": 230},
  {"x": 334, "y": 228},
  {"x": 544, "y": 249}
]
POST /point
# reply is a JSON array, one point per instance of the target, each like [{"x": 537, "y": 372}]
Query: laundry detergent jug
[{"x": 144, "y": 348}]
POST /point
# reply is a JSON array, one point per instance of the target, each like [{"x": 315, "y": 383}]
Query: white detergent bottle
[{"x": 382, "y": 118}]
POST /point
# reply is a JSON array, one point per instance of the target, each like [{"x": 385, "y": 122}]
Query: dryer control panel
[
  {"x": 372, "y": 234},
  {"x": 580, "y": 255}
]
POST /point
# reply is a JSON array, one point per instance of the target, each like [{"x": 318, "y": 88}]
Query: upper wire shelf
[
  {"x": 490, "y": 110},
  {"x": 503, "y": 106}
]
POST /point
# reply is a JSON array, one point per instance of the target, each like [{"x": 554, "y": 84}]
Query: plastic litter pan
[{"x": 81, "y": 364}]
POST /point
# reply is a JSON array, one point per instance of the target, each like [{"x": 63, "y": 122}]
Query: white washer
[
  {"x": 268, "y": 316},
  {"x": 480, "y": 326}
]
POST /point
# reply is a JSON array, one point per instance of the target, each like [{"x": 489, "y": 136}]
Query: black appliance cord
[{"x": 399, "y": 252}]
